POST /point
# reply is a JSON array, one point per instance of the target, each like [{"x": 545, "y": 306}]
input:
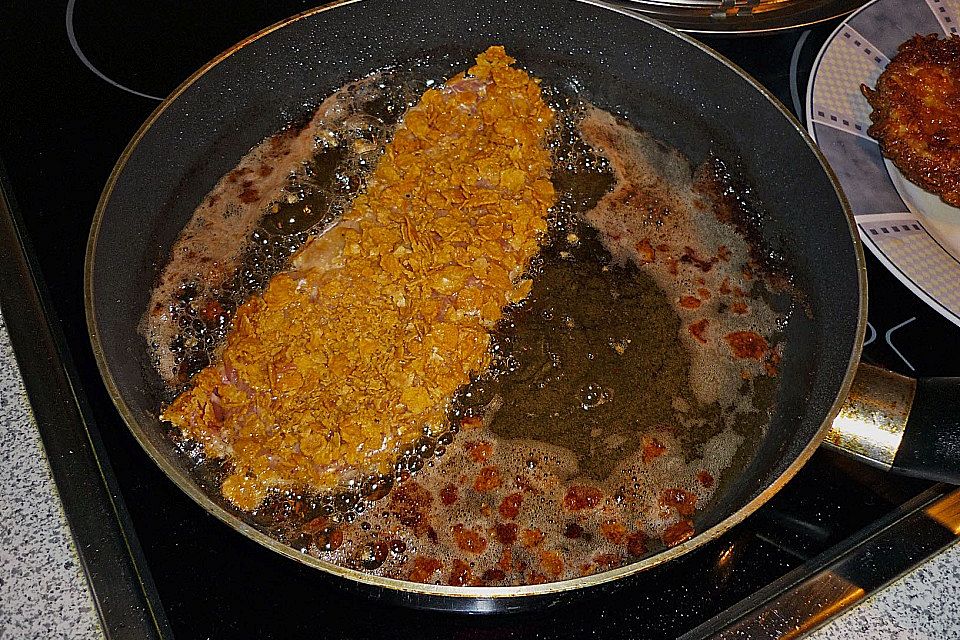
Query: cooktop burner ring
[{"x": 72, "y": 37}]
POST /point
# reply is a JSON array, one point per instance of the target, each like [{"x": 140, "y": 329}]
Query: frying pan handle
[
  {"x": 901, "y": 424},
  {"x": 930, "y": 447}
]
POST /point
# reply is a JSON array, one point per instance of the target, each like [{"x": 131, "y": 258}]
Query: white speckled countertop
[
  {"x": 44, "y": 593},
  {"x": 43, "y": 590},
  {"x": 922, "y": 605}
]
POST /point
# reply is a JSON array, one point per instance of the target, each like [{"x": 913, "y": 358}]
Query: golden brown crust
[
  {"x": 916, "y": 113},
  {"x": 348, "y": 355}
]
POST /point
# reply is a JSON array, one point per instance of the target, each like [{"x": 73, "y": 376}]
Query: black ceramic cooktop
[{"x": 79, "y": 77}]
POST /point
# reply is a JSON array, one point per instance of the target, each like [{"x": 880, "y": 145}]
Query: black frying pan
[{"x": 662, "y": 81}]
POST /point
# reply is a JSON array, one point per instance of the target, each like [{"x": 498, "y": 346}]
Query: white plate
[{"x": 911, "y": 231}]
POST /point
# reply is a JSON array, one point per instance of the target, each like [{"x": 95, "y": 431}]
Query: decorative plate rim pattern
[{"x": 913, "y": 246}]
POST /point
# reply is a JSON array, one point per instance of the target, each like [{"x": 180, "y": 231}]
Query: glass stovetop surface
[{"x": 80, "y": 77}]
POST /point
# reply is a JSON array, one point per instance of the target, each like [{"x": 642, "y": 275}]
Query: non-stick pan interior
[{"x": 661, "y": 82}]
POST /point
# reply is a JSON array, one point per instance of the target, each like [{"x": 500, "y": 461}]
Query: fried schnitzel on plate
[{"x": 911, "y": 230}]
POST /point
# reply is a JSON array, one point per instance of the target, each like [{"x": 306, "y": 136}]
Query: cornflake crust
[
  {"x": 916, "y": 113},
  {"x": 360, "y": 344}
]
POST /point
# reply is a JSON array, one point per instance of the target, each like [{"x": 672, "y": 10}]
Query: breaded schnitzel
[
  {"x": 916, "y": 113},
  {"x": 359, "y": 345}
]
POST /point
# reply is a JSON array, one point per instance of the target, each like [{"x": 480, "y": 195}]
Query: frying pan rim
[
  {"x": 188, "y": 486},
  {"x": 695, "y": 25}
]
